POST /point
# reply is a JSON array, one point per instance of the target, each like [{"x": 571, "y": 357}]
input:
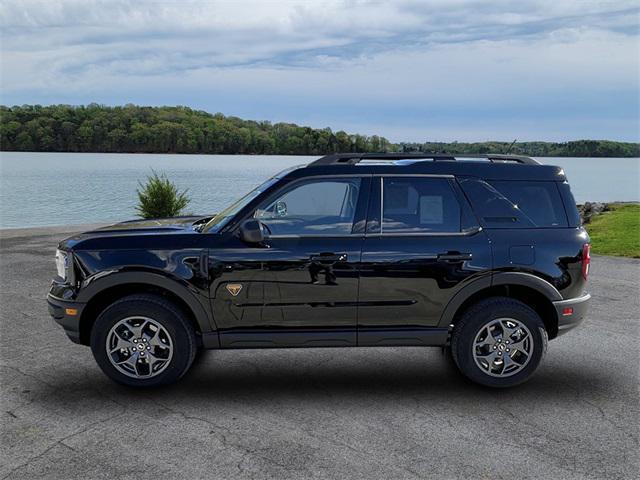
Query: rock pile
[{"x": 591, "y": 209}]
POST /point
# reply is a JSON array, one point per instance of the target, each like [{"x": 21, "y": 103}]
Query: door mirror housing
[{"x": 251, "y": 231}]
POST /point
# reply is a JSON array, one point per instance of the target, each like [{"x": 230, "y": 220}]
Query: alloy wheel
[
  {"x": 139, "y": 347},
  {"x": 503, "y": 347}
]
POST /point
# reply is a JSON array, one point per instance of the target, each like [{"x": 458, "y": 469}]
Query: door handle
[
  {"x": 329, "y": 257},
  {"x": 454, "y": 257}
]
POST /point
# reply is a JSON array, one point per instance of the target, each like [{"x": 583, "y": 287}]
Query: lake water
[{"x": 41, "y": 189}]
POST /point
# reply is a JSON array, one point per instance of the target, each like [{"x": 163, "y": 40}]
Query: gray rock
[{"x": 591, "y": 209}]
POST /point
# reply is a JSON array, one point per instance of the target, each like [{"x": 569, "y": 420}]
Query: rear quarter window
[
  {"x": 569, "y": 204},
  {"x": 516, "y": 204}
]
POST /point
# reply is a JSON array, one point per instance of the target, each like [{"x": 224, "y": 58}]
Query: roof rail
[{"x": 354, "y": 158}]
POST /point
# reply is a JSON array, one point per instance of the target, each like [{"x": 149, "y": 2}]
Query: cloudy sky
[{"x": 406, "y": 69}]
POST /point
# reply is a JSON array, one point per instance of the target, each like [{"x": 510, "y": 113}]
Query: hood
[
  {"x": 156, "y": 224},
  {"x": 143, "y": 227}
]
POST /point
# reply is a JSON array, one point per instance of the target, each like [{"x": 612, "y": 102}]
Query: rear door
[{"x": 422, "y": 246}]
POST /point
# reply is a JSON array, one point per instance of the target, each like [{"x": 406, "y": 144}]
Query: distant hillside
[
  {"x": 577, "y": 148},
  {"x": 135, "y": 129}
]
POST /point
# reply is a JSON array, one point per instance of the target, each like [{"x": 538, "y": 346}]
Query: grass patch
[{"x": 616, "y": 232}]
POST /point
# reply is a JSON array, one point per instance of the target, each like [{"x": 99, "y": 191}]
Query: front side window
[
  {"x": 419, "y": 205},
  {"x": 314, "y": 207}
]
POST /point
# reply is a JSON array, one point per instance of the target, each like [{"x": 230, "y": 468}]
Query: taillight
[{"x": 586, "y": 259}]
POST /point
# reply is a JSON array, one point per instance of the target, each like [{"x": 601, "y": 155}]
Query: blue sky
[{"x": 408, "y": 70}]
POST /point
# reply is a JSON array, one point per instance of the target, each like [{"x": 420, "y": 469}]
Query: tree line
[
  {"x": 137, "y": 129},
  {"x": 577, "y": 148}
]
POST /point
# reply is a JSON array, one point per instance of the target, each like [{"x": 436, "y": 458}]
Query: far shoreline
[
  {"x": 179, "y": 129},
  {"x": 187, "y": 154}
]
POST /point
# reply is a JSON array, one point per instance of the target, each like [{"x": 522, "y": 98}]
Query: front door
[
  {"x": 418, "y": 253},
  {"x": 300, "y": 287}
]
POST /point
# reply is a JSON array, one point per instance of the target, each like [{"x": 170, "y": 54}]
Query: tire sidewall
[
  {"x": 478, "y": 318},
  {"x": 171, "y": 319}
]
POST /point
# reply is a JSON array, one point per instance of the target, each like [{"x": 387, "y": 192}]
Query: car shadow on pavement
[
  {"x": 282, "y": 378},
  {"x": 416, "y": 379}
]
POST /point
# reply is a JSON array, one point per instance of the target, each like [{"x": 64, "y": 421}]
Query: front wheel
[
  {"x": 499, "y": 342},
  {"x": 143, "y": 341}
]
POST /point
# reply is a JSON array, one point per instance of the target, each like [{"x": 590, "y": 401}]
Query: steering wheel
[{"x": 266, "y": 227}]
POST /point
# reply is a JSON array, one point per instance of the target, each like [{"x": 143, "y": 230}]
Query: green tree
[
  {"x": 132, "y": 128},
  {"x": 160, "y": 198}
]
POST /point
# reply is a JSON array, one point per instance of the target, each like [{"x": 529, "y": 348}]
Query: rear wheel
[
  {"x": 143, "y": 341},
  {"x": 499, "y": 342}
]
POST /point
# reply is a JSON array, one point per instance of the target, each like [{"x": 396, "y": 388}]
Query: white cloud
[{"x": 331, "y": 62}]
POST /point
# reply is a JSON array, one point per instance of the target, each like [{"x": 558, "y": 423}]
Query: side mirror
[
  {"x": 251, "y": 231},
  {"x": 281, "y": 209}
]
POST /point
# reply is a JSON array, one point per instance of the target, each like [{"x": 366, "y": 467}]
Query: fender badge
[{"x": 234, "y": 288}]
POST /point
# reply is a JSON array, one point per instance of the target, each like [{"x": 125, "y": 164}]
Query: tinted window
[
  {"x": 573, "y": 216},
  {"x": 419, "y": 204},
  {"x": 317, "y": 207},
  {"x": 516, "y": 204},
  {"x": 540, "y": 201},
  {"x": 221, "y": 219}
]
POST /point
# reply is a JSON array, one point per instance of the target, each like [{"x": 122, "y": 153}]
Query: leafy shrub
[{"x": 160, "y": 198}]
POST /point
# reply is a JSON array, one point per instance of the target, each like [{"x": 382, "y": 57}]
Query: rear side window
[
  {"x": 419, "y": 204},
  {"x": 516, "y": 204}
]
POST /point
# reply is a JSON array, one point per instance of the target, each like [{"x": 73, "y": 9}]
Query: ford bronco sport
[{"x": 481, "y": 254}]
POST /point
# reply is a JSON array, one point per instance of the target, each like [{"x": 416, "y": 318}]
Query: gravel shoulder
[{"x": 319, "y": 413}]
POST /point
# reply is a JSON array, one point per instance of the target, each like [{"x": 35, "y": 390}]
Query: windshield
[{"x": 221, "y": 219}]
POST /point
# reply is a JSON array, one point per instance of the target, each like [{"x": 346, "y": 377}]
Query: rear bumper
[
  {"x": 571, "y": 312},
  {"x": 67, "y": 315}
]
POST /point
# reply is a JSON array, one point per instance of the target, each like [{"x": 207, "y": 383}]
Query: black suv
[{"x": 482, "y": 254}]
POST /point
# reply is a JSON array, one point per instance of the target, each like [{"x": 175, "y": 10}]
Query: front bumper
[
  {"x": 571, "y": 312},
  {"x": 67, "y": 314}
]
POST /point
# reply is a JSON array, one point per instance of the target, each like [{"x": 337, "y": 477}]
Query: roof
[
  {"x": 354, "y": 158},
  {"x": 490, "y": 166}
]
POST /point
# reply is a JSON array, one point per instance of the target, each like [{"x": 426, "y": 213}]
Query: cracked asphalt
[{"x": 322, "y": 413}]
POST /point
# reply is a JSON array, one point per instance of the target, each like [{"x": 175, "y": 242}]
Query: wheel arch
[
  {"x": 106, "y": 290},
  {"x": 534, "y": 291}
]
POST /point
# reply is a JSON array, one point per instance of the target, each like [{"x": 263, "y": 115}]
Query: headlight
[{"x": 61, "y": 264}]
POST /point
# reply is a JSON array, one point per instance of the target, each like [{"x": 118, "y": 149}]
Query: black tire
[
  {"x": 162, "y": 311},
  {"x": 472, "y": 322}
]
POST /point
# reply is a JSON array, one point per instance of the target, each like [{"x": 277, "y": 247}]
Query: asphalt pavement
[{"x": 363, "y": 413}]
